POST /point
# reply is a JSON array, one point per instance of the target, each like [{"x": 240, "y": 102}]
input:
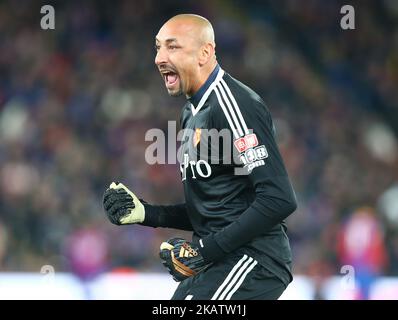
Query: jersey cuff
[{"x": 210, "y": 249}]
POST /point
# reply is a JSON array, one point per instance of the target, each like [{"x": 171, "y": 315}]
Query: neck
[{"x": 203, "y": 76}]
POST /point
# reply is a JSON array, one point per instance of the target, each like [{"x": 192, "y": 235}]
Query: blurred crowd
[{"x": 76, "y": 102}]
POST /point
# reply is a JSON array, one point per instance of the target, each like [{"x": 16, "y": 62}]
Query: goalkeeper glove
[
  {"x": 182, "y": 258},
  {"x": 122, "y": 206}
]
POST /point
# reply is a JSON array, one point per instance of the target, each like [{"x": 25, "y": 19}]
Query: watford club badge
[{"x": 196, "y": 137}]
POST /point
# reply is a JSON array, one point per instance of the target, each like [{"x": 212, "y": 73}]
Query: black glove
[
  {"x": 122, "y": 206},
  {"x": 182, "y": 258}
]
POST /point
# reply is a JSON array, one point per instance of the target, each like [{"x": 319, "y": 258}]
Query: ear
[{"x": 205, "y": 54}]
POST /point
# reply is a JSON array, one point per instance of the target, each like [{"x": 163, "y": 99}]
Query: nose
[{"x": 161, "y": 57}]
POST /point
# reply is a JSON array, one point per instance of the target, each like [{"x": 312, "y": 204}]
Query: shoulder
[
  {"x": 233, "y": 99},
  {"x": 241, "y": 90},
  {"x": 246, "y": 97}
]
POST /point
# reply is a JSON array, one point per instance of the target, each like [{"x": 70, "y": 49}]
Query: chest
[
  {"x": 193, "y": 152},
  {"x": 206, "y": 150},
  {"x": 194, "y": 129}
]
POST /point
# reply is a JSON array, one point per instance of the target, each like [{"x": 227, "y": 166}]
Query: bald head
[
  {"x": 185, "y": 53},
  {"x": 198, "y": 26}
]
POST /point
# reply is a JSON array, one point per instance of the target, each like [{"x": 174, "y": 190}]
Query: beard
[{"x": 176, "y": 92}]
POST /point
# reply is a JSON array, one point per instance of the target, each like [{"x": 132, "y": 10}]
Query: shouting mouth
[{"x": 171, "y": 78}]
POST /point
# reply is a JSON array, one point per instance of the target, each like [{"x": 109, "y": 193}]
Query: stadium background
[{"x": 75, "y": 103}]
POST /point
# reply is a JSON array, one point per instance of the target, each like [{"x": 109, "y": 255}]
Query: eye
[
  {"x": 173, "y": 47},
  {"x": 157, "y": 47}
]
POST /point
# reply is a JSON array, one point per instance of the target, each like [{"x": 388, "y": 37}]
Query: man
[{"x": 239, "y": 248}]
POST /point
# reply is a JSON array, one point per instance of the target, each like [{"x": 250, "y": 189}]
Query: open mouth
[{"x": 170, "y": 78}]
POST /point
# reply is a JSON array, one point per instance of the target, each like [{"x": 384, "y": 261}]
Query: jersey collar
[{"x": 199, "y": 98}]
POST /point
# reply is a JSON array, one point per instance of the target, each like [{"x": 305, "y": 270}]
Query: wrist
[{"x": 210, "y": 249}]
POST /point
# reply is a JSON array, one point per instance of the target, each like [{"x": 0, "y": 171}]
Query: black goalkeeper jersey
[{"x": 237, "y": 191}]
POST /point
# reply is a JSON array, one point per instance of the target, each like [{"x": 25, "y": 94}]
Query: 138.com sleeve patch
[
  {"x": 250, "y": 154},
  {"x": 246, "y": 142}
]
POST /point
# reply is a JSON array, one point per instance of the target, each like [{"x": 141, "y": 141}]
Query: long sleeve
[
  {"x": 275, "y": 201},
  {"x": 167, "y": 216},
  {"x": 274, "y": 196}
]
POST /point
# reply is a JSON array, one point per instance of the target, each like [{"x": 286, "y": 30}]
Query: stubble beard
[{"x": 176, "y": 93}]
